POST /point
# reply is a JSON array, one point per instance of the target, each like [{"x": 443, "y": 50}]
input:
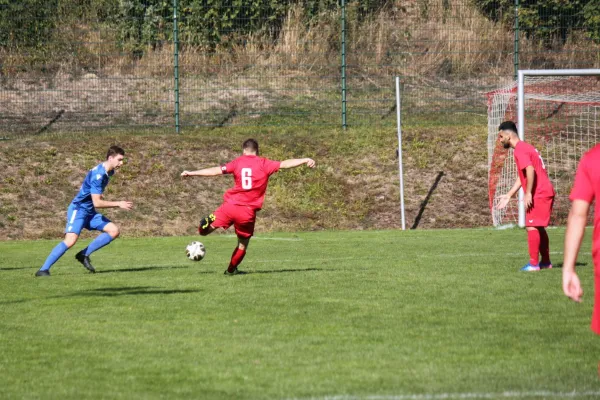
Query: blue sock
[
  {"x": 55, "y": 254},
  {"x": 102, "y": 240}
]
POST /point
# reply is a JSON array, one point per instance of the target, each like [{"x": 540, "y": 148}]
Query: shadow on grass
[
  {"x": 14, "y": 269},
  {"x": 111, "y": 292},
  {"x": 108, "y": 271},
  {"x": 577, "y": 264},
  {"x": 130, "y": 291}
]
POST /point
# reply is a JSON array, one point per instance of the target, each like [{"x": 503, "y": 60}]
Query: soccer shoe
[
  {"x": 206, "y": 221},
  {"x": 85, "y": 261},
  {"x": 235, "y": 272},
  {"x": 545, "y": 265},
  {"x": 42, "y": 273},
  {"x": 528, "y": 267}
]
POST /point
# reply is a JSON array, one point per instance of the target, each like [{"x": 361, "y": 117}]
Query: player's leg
[
  {"x": 110, "y": 231},
  {"x": 596, "y": 312},
  {"x": 57, "y": 252},
  {"x": 221, "y": 218},
  {"x": 75, "y": 223},
  {"x": 244, "y": 221},
  {"x": 205, "y": 226},
  {"x": 536, "y": 218},
  {"x": 237, "y": 256},
  {"x": 533, "y": 244},
  {"x": 545, "y": 211},
  {"x": 544, "y": 249}
]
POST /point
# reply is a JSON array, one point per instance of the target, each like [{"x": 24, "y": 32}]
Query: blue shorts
[{"x": 78, "y": 219}]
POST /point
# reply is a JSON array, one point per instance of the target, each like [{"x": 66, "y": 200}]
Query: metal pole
[
  {"x": 521, "y": 129},
  {"x": 176, "y": 63},
  {"x": 399, "y": 124},
  {"x": 344, "y": 124},
  {"x": 516, "y": 53}
]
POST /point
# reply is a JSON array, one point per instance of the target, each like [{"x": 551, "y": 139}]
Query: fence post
[
  {"x": 516, "y": 53},
  {"x": 176, "y": 64},
  {"x": 399, "y": 131},
  {"x": 344, "y": 124}
]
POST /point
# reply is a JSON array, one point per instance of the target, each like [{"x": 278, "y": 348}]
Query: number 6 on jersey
[{"x": 246, "y": 178}]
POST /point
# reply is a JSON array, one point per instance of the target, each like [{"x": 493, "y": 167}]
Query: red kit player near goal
[
  {"x": 539, "y": 195},
  {"x": 241, "y": 203},
  {"x": 585, "y": 189}
]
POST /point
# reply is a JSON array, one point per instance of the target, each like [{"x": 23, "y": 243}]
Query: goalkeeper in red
[
  {"x": 585, "y": 189},
  {"x": 538, "y": 198},
  {"x": 241, "y": 203}
]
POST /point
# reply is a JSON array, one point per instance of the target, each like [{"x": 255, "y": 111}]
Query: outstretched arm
[
  {"x": 296, "y": 162},
  {"x": 213, "y": 171},
  {"x": 504, "y": 199},
  {"x": 575, "y": 230},
  {"x": 100, "y": 203}
]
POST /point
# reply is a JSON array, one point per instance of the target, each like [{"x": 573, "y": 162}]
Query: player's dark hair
[
  {"x": 508, "y": 126},
  {"x": 114, "y": 150},
  {"x": 251, "y": 145}
]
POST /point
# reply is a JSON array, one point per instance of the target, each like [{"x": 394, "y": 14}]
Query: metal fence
[{"x": 188, "y": 63}]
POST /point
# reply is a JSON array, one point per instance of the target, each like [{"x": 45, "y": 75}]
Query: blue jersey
[{"x": 94, "y": 183}]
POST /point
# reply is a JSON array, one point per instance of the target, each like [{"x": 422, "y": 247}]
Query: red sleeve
[
  {"x": 229, "y": 167},
  {"x": 582, "y": 188},
  {"x": 271, "y": 166},
  {"x": 522, "y": 159}
]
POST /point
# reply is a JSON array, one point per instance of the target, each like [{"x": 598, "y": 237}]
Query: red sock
[
  {"x": 533, "y": 240},
  {"x": 236, "y": 259},
  {"x": 544, "y": 246}
]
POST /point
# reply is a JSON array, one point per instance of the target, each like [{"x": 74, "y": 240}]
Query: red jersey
[
  {"x": 526, "y": 155},
  {"x": 587, "y": 188},
  {"x": 251, "y": 175}
]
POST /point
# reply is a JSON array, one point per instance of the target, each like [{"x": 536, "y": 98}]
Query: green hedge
[{"x": 547, "y": 19}]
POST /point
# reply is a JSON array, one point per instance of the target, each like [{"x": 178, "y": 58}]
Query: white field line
[
  {"x": 444, "y": 396},
  {"x": 267, "y": 238}
]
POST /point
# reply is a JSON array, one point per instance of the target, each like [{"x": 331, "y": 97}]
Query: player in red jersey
[
  {"x": 538, "y": 199},
  {"x": 240, "y": 203},
  {"x": 585, "y": 189}
]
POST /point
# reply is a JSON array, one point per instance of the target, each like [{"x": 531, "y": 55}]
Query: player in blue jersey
[{"x": 82, "y": 213}]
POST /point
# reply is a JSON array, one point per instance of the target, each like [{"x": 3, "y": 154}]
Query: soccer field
[{"x": 339, "y": 315}]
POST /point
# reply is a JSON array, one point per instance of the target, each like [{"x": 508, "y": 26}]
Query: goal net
[{"x": 561, "y": 118}]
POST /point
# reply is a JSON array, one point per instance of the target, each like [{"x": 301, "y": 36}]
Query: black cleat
[
  {"x": 85, "y": 261},
  {"x": 206, "y": 221},
  {"x": 235, "y": 272},
  {"x": 42, "y": 273}
]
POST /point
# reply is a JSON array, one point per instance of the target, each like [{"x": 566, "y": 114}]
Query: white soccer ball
[{"x": 195, "y": 251}]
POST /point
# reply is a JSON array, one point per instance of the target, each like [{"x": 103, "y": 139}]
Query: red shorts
[
  {"x": 241, "y": 217},
  {"x": 539, "y": 213}
]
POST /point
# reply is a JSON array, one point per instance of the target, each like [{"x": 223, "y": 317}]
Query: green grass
[{"x": 436, "y": 314}]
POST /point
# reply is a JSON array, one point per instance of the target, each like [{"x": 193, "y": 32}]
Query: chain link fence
[{"x": 174, "y": 65}]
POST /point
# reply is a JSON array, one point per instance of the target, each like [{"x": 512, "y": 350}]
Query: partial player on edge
[{"x": 585, "y": 190}]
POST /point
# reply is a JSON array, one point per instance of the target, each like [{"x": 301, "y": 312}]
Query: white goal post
[{"x": 558, "y": 111}]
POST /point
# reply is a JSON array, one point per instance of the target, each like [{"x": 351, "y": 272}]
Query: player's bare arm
[
  {"x": 99, "y": 202},
  {"x": 296, "y": 162},
  {"x": 528, "y": 198},
  {"x": 504, "y": 199},
  {"x": 573, "y": 237},
  {"x": 213, "y": 171}
]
